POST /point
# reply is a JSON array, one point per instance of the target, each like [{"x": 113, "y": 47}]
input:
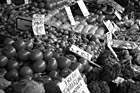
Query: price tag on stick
[
  {"x": 110, "y": 43},
  {"x": 80, "y": 52},
  {"x": 8, "y": 1},
  {"x": 83, "y": 8},
  {"x": 38, "y": 24},
  {"x": 118, "y": 15},
  {"x": 109, "y": 25},
  {"x": 83, "y": 54},
  {"x": 70, "y": 16}
]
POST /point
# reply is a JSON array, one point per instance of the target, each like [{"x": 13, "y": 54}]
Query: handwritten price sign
[
  {"x": 73, "y": 83},
  {"x": 38, "y": 24},
  {"x": 81, "y": 52}
]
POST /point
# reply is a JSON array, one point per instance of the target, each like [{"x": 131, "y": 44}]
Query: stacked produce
[
  {"x": 37, "y": 64},
  {"x": 51, "y": 4}
]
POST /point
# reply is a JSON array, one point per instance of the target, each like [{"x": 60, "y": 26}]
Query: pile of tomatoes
[{"x": 19, "y": 59}]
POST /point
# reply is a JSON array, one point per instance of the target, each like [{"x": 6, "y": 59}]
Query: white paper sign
[
  {"x": 116, "y": 28},
  {"x": 109, "y": 25},
  {"x": 118, "y": 15},
  {"x": 110, "y": 43},
  {"x": 38, "y": 24},
  {"x": 70, "y": 16},
  {"x": 83, "y": 7},
  {"x": 80, "y": 52},
  {"x": 26, "y": 1},
  {"x": 8, "y": 1},
  {"x": 74, "y": 83}
]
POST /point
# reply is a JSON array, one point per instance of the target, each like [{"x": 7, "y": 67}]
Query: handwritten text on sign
[
  {"x": 74, "y": 83},
  {"x": 80, "y": 52},
  {"x": 38, "y": 24}
]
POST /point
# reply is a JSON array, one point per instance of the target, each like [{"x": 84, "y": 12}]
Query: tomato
[
  {"x": 54, "y": 74},
  {"x": 25, "y": 71},
  {"x": 57, "y": 55},
  {"x": 88, "y": 69},
  {"x": 47, "y": 54},
  {"x": 3, "y": 71},
  {"x": 49, "y": 6},
  {"x": 41, "y": 5},
  {"x": 51, "y": 64},
  {"x": 35, "y": 4},
  {"x": 9, "y": 51},
  {"x": 3, "y": 60},
  {"x": 76, "y": 65},
  {"x": 84, "y": 62},
  {"x": 8, "y": 41},
  {"x": 59, "y": 79},
  {"x": 12, "y": 64},
  {"x": 23, "y": 55},
  {"x": 29, "y": 45},
  {"x": 12, "y": 75},
  {"x": 36, "y": 55},
  {"x": 65, "y": 72},
  {"x": 39, "y": 66},
  {"x": 63, "y": 62},
  {"x": 84, "y": 78},
  {"x": 19, "y": 44},
  {"x": 72, "y": 58}
]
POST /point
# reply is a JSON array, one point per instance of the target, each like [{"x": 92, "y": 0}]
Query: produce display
[{"x": 32, "y": 63}]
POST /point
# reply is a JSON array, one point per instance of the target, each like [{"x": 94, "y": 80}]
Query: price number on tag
[
  {"x": 38, "y": 24},
  {"x": 80, "y": 52}
]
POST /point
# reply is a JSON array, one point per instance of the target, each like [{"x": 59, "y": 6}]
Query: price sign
[
  {"x": 118, "y": 15},
  {"x": 109, "y": 38},
  {"x": 110, "y": 43},
  {"x": 80, "y": 52},
  {"x": 70, "y": 16},
  {"x": 8, "y": 1},
  {"x": 23, "y": 23},
  {"x": 109, "y": 26},
  {"x": 73, "y": 83},
  {"x": 116, "y": 28},
  {"x": 26, "y": 1},
  {"x": 83, "y": 7},
  {"x": 38, "y": 24}
]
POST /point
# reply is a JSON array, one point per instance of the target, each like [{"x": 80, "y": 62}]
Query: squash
[
  {"x": 93, "y": 30},
  {"x": 86, "y": 29}
]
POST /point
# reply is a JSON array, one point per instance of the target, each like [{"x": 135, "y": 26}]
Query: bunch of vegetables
[
  {"x": 38, "y": 64},
  {"x": 49, "y": 55},
  {"x": 51, "y": 4}
]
